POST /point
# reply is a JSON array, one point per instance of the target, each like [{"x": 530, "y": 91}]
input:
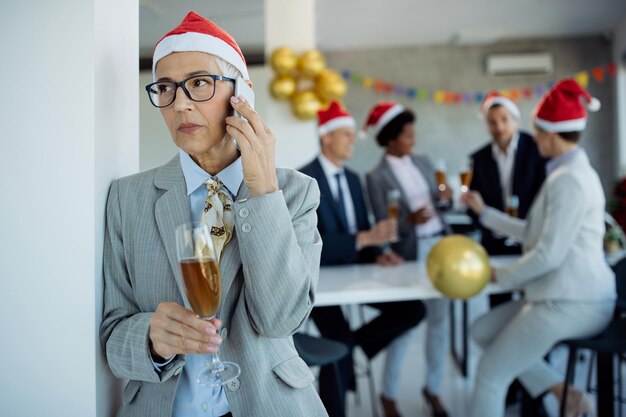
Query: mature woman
[
  {"x": 420, "y": 226},
  {"x": 569, "y": 289},
  {"x": 265, "y": 220}
]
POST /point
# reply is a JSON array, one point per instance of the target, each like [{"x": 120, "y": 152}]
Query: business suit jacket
[
  {"x": 528, "y": 175},
  {"x": 561, "y": 238},
  {"x": 380, "y": 181},
  {"x": 269, "y": 272},
  {"x": 339, "y": 243}
]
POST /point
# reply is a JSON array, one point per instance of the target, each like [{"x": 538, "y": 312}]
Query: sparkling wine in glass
[
  {"x": 512, "y": 209},
  {"x": 466, "y": 175},
  {"x": 201, "y": 277},
  {"x": 440, "y": 175},
  {"x": 393, "y": 208}
]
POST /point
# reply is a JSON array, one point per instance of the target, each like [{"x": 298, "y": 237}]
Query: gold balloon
[
  {"x": 330, "y": 85},
  {"x": 311, "y": 63},
  {"x": 283, "y": 61},
  {"x": 305, "y": 104},
  {"x": 283, "y": 87},
  {"x": 458, "y": 267}
]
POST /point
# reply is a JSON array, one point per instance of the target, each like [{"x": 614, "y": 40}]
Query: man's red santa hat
[
  {"x": 380, "y": 115},
  {"x": 332, "y": 118},
  {"x": 494, "y": 98},
  {"x": 562, "y": 108},
  {"x": 197, "y": 34}
]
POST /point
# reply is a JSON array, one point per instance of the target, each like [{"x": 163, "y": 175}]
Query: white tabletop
[{"x": 371, "y": 283}]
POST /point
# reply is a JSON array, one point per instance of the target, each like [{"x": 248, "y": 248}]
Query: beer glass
[
  {"x": 201, "y": 278},
  {"x": 466, "y": 175},
  {"x": 393, "y": 208}
]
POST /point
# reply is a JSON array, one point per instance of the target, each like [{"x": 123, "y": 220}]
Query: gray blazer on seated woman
[{"x": 569, "y": 289}]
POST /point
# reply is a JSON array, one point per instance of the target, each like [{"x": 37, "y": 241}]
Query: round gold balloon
[
  {"x": 311, "y": 63},
  {"x": 330, "y": 85},
  {"x": 283, "y": 61},
  {"x": 305, "y": 104},
  {"x": 458, "y": 267},
  {"x": 283, "y": 87}
]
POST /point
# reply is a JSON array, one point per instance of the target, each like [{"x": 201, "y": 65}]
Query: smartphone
[{"x": 243, "y": 89}]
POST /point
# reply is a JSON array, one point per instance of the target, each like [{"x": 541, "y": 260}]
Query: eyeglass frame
[{"x": 181, "y": 84}]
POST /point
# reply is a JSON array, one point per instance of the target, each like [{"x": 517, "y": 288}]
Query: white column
[
  {"x": 70, "y": 125},
  {"x": 619, "y": 48},
  {"x": 292, "y": 24}
]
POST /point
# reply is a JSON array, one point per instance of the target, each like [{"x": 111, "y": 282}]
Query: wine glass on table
[{"x": 200, "y": 270}]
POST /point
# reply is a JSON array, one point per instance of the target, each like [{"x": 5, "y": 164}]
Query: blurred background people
[
  {"x": 569, "y": 290},
  {"x": 349, "y": 238},
  {"x": 403, "y": 184}
]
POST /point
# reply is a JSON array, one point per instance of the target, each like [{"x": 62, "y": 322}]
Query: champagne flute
[
  {"x": 201, "y": 277},
  {"x": 466, "y": 175},
  {"x": 440, "y": 175},
  {"x": 393, "y": 209}
]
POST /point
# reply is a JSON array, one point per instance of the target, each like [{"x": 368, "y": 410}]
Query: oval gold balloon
[
  {"x": 305, "y": 104},
  {"x": 283, "y": 87},
  {"x": 458, "y": 267},
  {"x": 283, "y": 60},
  {"x": 330, "y": 85},
  {"x": 311, "y": 63}
]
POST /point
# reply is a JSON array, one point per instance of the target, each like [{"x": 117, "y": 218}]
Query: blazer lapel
[
  {"x": 493, "y": 176},
  {"x": 320, "y": 176},
  {"x": 171, "y": 210}
]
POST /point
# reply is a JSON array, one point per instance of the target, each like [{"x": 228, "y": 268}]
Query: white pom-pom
[
  {"x": 594, "y": 104},
  {"x": 362, "y": 134}
]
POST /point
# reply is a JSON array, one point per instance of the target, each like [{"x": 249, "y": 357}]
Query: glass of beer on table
[{"x": 200, "y": 271}]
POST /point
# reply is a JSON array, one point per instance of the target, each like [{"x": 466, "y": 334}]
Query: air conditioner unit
[{"x": 520, "y": 64}]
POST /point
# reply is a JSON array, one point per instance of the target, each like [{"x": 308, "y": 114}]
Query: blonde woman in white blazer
[{"x": 569, "y": 289}]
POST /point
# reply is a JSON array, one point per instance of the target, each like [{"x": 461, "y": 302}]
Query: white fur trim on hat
[
  {"x": 506, "y": 103},
  {"x": 198, "y": 42},
  {"x": 336, "y": 123},
  {"x": 576, "y": 125},
  {"x": 388, "y": 116}
]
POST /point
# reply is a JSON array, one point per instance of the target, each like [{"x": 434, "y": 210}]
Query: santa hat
[
  {"x": 562, "y": 110},
  {"x": 380, "y": 115},
  {"x": 197, "y": 34},
  {"x": 494, "y": 98},
  {"x": 333, "y": 118}
]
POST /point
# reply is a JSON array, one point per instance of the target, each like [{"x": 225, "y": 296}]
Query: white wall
[
  {"x": 619, "y": 53},
  {"x": 69, "y": 120}
]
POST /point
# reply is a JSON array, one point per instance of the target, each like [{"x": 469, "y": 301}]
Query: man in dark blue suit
[
  {"x": 348, "y": 238},
  {"x": 508, "y": 172}
]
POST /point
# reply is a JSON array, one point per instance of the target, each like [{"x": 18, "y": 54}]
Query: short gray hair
[{"x": 227, "y": 69}]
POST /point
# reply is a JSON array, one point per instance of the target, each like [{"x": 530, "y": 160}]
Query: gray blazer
[
  {"x": 561, "y": 238},
  {"x": 269, "y": 274},
  {"x": 380, "y": 180}
]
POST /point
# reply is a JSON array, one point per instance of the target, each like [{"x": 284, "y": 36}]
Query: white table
[{"x": 371, "y": 283}]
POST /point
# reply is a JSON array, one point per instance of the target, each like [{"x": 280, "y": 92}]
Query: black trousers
[{"x": 394, "y": 319}]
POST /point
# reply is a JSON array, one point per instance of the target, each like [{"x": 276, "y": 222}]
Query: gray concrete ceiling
[{"x": 357, "y": 24}]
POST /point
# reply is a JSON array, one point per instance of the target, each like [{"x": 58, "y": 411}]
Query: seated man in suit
[
  {"x": 349, "y": 238},
  {"x": 508, "y": 173}
]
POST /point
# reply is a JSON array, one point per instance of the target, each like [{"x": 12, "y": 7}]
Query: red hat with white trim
[
  {"x": 380, "y": 115},
  {"x": 494, "y": 98},
  {"x": 562, "y": 110},
  {"x": 333, "y": 118},
  {"x": 197, "y": 34}
]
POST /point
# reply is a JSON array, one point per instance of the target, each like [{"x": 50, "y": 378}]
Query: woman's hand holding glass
[{"x": 474, "y": 201}]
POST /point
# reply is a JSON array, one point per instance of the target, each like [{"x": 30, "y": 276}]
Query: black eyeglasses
[{"x": 197, "y": 88}]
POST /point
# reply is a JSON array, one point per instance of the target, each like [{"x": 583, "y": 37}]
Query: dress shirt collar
[
  {"x": 399, "y": 160},
  {"x": 510, "y": 150},
  {"x": 554, "y": 163},
  {"x": 231, "y": 176},
  {"x": 329, "y": 168}
]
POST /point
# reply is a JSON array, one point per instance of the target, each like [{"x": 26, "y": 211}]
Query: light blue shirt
[
  {"x": 193, "y": 399},
  {"x": 554, "y": 163}
]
